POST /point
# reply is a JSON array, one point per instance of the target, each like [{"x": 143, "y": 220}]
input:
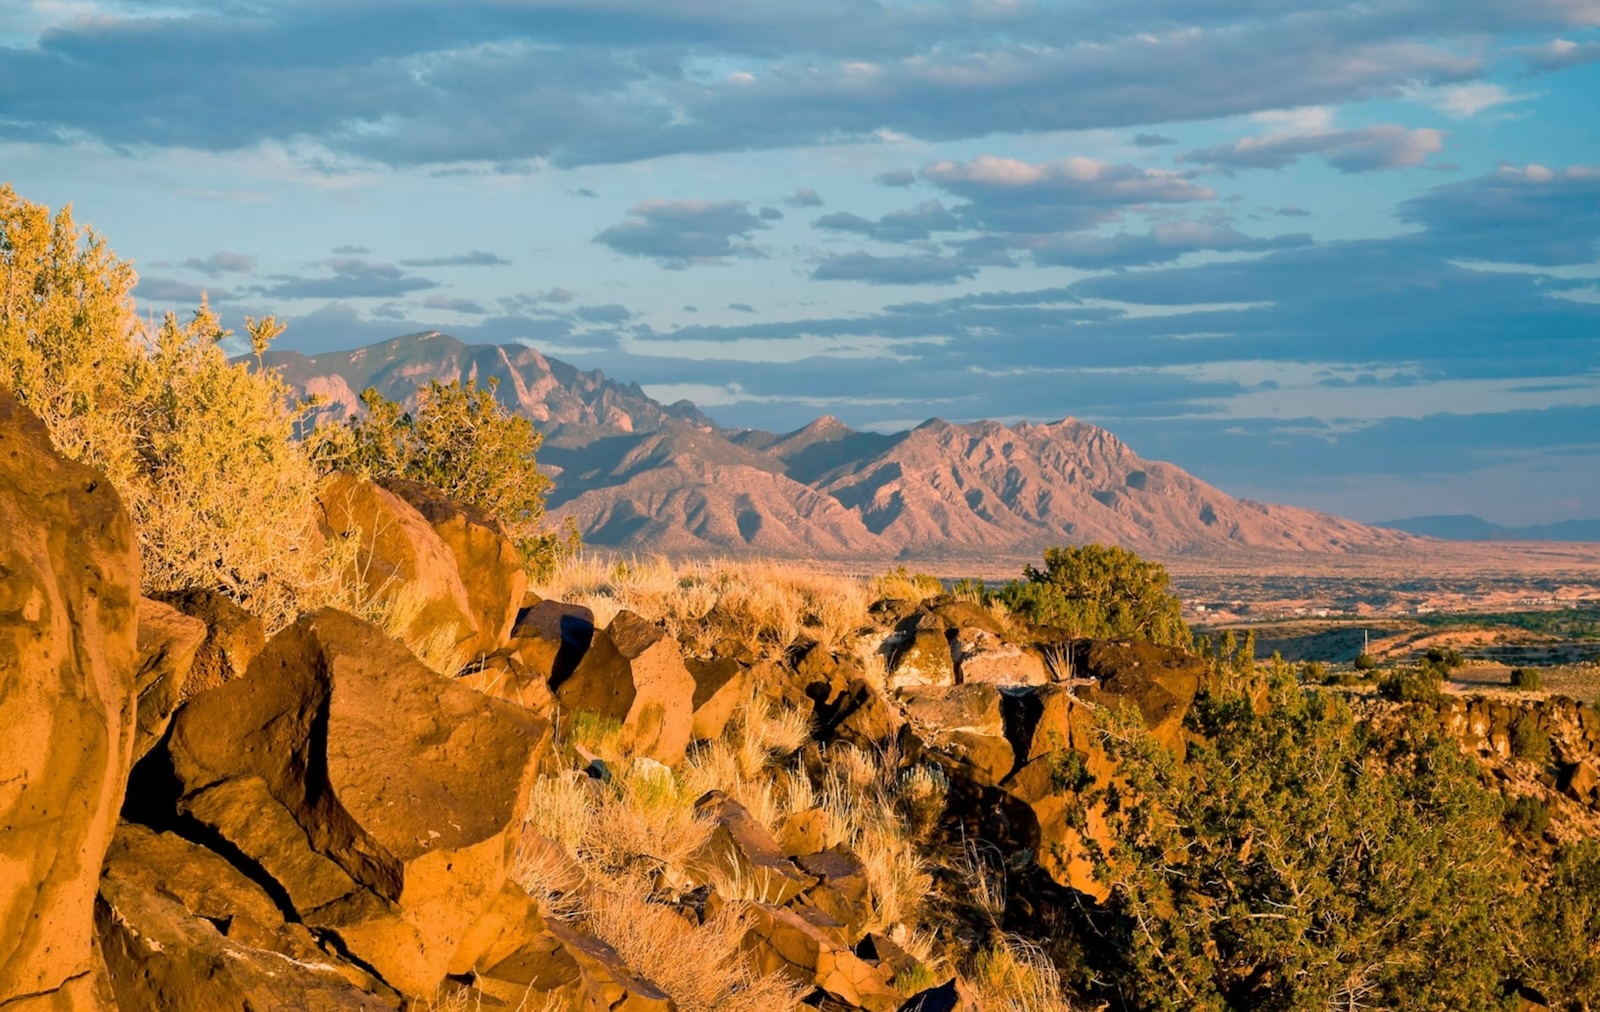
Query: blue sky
[{"x": 1339, "y": 255}]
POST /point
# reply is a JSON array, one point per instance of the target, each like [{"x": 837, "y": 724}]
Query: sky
[{"x": 1340, "y": 255}]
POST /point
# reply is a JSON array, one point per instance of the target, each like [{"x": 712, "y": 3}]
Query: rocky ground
[{"x": 494, "y": 800}]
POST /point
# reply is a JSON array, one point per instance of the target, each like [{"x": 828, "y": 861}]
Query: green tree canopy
[{"x": 1101, "y": 591}]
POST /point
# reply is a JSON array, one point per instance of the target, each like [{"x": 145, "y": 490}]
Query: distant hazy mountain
[
  {"x": 638, "y": 475},
  {"x": 1466, "y": 527}
]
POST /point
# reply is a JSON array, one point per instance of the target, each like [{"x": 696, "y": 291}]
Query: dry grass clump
[
  {"x": 742, "y": 762},
  {"x": 865, "y": 798},
  {"x": 700, "y": 966},
  {"x": 645, "y": 820},
  {"x": 765, "y": 605},
  {"x": 900, "y": 584},
  {"x": 1015, "y": 975}
]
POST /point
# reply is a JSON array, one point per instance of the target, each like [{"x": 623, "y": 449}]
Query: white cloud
[{"x": 1464, "y": 101}]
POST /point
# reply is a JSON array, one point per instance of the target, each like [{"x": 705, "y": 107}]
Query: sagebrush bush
[{"x": 201, "y": 450}]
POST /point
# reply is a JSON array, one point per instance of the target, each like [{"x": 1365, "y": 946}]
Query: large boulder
[
  {"x": 634, "y": 673},
  {"x": 1159, "y": 681},
  {"x": 233, "y": 637},
  {"x": 982, "y": 658},
  {"x": 923, "y": 659},
  {"x": 721, "y": 686},
  {"x": 489, "y": 564},
  {"x": 384, "y": 800},
  {"x": 69, "y": 577},
  {"x": 182, "y": 930},
  {"x": 168, "y": 642},
  {"x": 401, "y": 564}
]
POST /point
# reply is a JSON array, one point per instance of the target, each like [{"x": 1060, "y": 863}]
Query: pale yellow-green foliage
[
  {"x": 67, "y": 332},
  {"x": 765, "y": 605},
  {"x": 201, "y": 450},
  {"x": 701, "y": 967},
  {"x": 222, "y": 495}
]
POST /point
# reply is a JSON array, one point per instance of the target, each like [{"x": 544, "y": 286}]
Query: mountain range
[
  {"x": 1466, "y": 527},
  {"x": 642, "y": 476}
]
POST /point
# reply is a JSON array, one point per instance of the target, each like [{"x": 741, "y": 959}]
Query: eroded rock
[
  {"x": 400, "y": 561},
  {"x": 385, "y": 800},
  {"x": 233, "y": 637},
  {"x": 489, "y": 564},
  {"x": 69, "y": 577},
  {"x": 742, "y": 849},
  {"x": 183, "y": 931},
  {"x": 783, "y": 941},
  {"x": 634, "y": 673}
]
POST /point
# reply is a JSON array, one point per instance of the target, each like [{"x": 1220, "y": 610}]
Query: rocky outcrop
[
  {"x": 383, "y": 800},
  {"x": 399, "y": 562},
  {"x": 923, "y": 659},
  {"x": 69, "y": 576},
  {"x": 740, "y": 849},
  {"x": 488, "y": 563},
  {"x": 784, "y": 941},
  {"x": 233, "y": 637},
  {"x": 632, "y": 672},
  {"x": 184, "y": 931}
]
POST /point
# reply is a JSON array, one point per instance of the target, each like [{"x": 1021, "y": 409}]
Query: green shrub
[
  {"x": 1314, "y": 672},
  {"x": 1526, "y": 679},
  {"x": 1449, "y": 660},
  {"x": 1563, "y": 943},
  {"x": 1420, "y": 685},
  {"x": 1527, "y": 814},
  {"x": 1530, "y": 741},
  {"x": 1101, "y": 591},
  {"x": 1320, "y": 865},
  {"x": 1366, "y": 662}
]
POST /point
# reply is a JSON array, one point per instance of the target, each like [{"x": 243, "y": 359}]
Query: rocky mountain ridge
[{"x": 640, "y": 476}]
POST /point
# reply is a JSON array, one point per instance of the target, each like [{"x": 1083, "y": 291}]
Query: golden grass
[
  {"x": 765, "y": 605},
  {"x": 1015, "y": 975},
  {"x": 859, "y": 794},
  {"x": 700, "y": 966}
]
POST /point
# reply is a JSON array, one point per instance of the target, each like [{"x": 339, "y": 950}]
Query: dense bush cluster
[
  {"x": 201, "y": 450},
  {"x": 1100, "y": 591}
]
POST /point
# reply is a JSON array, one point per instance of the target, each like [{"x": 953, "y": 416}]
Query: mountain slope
[
  {"x": 549, "y": 392},
  {"x": 641, "y": 476}
]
